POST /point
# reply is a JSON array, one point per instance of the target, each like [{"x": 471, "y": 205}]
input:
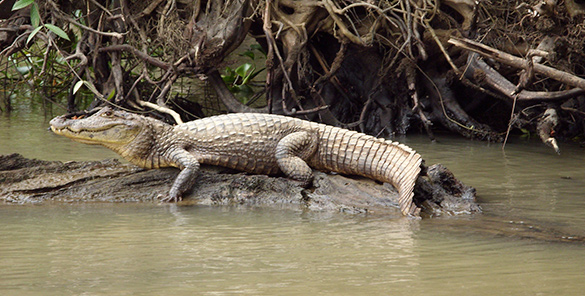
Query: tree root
[
  {"x": 447, "y": 110},
  {"x": 227, "y": 98},
  {"x": 546, "y": 128}
]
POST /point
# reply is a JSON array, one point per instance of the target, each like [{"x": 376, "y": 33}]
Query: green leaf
[
  {"x": 249, "y": 54},
  {"x": 90, "y": 86},
  {"x": 242, "y": 70},
  {"x": 256, "y": 73},
  {"x": 229, "y": 77},
  {"x": 243, "y": 92},
  {"x": 246, "y": 90},
  {"x": 228, "y": 71},
  {"x": 20, "y": 4},
  {"x": 58, "y": 31},
  {"x": 77, "y": 86},
  {"x": 258, "y": 47},
  {"x": 111, "y": 95},
  {"x": 228, "y": 80},
  {"x": 32, "y": 34},
  {"x": 35, "y": 17}
]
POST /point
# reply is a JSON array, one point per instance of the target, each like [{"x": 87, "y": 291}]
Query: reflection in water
[
  {"x": 30, "y": 136},
  {"x": 527, "y": 181},
  {"x": 148, "y": 249},
  {"x": 121, "y": 249}
]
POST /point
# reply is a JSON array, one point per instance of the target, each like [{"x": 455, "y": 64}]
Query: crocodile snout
[{"x": 58, "y": 123}]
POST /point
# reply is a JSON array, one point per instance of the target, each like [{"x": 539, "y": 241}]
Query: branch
[
  {"x": 496, "y": 81},
  {"x": 294, "y": 112},
  {"x": 546, "y": 128},
  {"x": 166, "y": 110},
  {"x": 517, "y": 62},
  {"x": 331, "y": 8},
  {"x": 227, "y": 98},
  {"x": 150, "y": 8},
  {"x": 140, "y": 54},
  {"x": 71, "y": 20}
]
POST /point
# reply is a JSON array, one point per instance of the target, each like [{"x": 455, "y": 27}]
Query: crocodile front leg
[
  {"x": 291, "y": 153},
  {"x": 189, "y": 166}
]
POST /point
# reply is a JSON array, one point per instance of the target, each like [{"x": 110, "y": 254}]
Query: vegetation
[{"x": 480, "y": 69}]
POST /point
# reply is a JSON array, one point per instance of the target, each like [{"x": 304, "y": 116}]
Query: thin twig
[
  {"x": 441, "y": 47},
  {"x": 71, "y": 20},
  {"x": 330, "y": 6},
  {"x": 510, "y": 123},
  {"x": 162, "y": 109}
]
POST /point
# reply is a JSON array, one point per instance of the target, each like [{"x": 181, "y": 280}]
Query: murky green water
[{"x": 149, "y": 249}]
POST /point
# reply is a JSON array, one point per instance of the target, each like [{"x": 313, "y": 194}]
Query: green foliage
[
  {"x": 23, "y": 68},
  {"x": 239, "y": 80},
  {"x": 58, "y": 31},
  {"x": 20, "y": 4},
  {"x": 525, "y": 134},
  {"x": 32, "y": 34},
  {"x": 35, "y": 19},
  {"x": 35, "y": 16},
  {"x": 78, "y": 85}
]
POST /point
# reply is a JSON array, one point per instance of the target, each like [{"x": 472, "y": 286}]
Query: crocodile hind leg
[{"x": 291, "y": 153}]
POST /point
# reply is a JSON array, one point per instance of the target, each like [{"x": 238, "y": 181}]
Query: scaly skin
[{"x": 255, "y": 143}]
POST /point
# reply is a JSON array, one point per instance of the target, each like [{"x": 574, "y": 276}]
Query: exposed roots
[{"x": 382, "y": 67}]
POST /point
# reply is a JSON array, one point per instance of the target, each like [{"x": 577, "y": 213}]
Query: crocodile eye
[{"x": 108, "y": 113}]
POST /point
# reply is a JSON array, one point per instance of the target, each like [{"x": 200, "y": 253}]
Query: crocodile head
[
  {"x": 130, "y": 135},
  {"x": 106, "y": 127}
]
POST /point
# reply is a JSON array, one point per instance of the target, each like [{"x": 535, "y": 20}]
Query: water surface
[{"x": 150, "y": 249}]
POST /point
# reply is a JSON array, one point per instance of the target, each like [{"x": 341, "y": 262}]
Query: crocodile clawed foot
[
  {"x": 169, "y": 198},
  {"x": 308, "y": 184}
]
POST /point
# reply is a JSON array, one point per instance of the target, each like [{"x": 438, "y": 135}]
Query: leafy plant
[
  {"x": 239, "y": 80},
  {"x": 525, "y": 134},
  {"x": 35, "y": 19}
]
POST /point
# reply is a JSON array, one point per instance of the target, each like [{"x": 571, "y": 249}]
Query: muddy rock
[{"x": 25, "y": 180}]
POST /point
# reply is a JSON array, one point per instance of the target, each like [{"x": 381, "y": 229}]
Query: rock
[{"x": 25, "y": 180}]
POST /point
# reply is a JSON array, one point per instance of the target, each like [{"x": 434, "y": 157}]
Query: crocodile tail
[
  {"x": 405, "y": 173},
  {"x": 350, "y": 152}
]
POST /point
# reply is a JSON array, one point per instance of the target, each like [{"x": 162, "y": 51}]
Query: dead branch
[
  {"x": 546, "y": 128},
  {"x": 294, "y": 112},
  {"x": 345, "y": 32},
  {"x": 479, "y": 70},
  {"x": 143, "y": 56},
  {"x": 69, "y": 19},
  {"x": 162, "y": 109},
  {"x": 410, "y": 73},
  {"x": 513, "y": 61}
]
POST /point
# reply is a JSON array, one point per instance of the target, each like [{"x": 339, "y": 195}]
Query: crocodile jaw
[
  {"x": 96, "y": 131},
  {"x": 114, "y": 134}
]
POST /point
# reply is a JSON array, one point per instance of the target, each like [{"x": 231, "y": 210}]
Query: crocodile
[{"x": 251, "y": 142}]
